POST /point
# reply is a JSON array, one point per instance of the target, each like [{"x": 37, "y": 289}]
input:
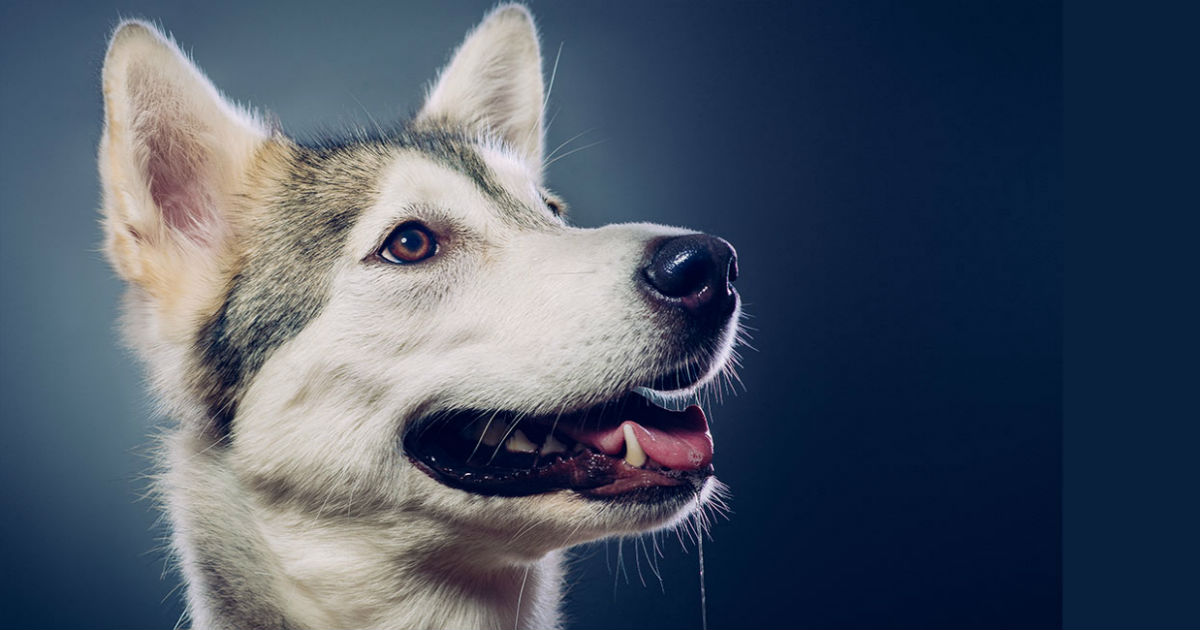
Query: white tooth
[
  {"x": 553, "y": 446},
  {"x": 493, "y": 434},
  {"x": 518, "y": 443},
  {"x": 634, "y": 454}
]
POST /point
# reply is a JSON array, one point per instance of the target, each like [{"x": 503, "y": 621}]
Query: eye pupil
[
  {"x": 412, "y": 240},
  {"x": 409, "y": 243}
]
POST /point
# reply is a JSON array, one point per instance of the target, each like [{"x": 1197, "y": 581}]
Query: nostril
[
  {"x": 683, "y": 266},
  {"x": 684, "y": 273},
  {"x": 695, "y": 267}
]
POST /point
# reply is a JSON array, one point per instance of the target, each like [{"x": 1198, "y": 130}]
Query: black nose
[{"x": 696, "y": 269}]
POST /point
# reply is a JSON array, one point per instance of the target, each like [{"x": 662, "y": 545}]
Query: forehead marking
[{"x": 463, "y": 157}]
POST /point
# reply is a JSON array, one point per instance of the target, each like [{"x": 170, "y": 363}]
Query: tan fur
[{"x": 185, "y": 283}]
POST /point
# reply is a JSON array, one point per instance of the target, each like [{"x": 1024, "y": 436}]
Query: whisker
[
  {"x": 637, "y": 560},
  {"x": 512, "y": 427},
  {"x": 520, "y": 595},
  {"x": 553, "y": 76},
  {"x": 652, "y": 562},
  {"x": 568, "y": 141},
  {"x": 479, "y": 441},
  {"x": 574, "y": 151}
]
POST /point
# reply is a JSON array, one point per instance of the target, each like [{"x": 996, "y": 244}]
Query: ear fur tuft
[{"x": 493, "y": 84}]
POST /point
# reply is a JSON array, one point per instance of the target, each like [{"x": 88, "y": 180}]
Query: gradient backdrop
[{"x": 891, "y": 176}]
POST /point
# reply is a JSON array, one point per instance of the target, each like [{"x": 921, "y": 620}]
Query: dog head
[{"x": 403, "y": 323}]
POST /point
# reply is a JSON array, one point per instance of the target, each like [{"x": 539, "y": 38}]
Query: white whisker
[{"x": 574, "y": 151}]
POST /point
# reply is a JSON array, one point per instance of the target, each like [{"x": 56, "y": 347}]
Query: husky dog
[{"x": 400, "y": 382}]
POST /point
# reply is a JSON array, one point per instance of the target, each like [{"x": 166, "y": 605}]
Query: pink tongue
[{"x": 678, "y": 440}]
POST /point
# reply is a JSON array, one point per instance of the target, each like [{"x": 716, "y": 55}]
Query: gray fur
[
  {"x": 293, "y": 360},
  {"x": 231, "y": 574},
  {"x": 272, "y": 298}
]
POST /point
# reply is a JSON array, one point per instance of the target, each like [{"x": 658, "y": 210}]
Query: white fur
[
  {"x": 371, "y": 363},
  {"x": 494, "y": 83},
  {"x": 564, "y": 329}
]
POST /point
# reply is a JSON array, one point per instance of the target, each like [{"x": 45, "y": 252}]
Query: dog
[{"x": 400, "y": 383}]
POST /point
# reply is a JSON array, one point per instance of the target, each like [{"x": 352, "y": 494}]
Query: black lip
[
  {"x": 658, "y": 495},
  {"x": 589, "y": 474},
  {"x": 684, "y": 377},
  {"x": 581, "y": 472}
]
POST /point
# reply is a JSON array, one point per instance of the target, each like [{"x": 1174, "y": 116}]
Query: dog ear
[
  {"x": 494, "y": 83},
  {"x": 172, "y": 154}
]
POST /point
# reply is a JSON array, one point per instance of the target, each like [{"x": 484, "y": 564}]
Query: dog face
[{"x": 404, "y": 323}]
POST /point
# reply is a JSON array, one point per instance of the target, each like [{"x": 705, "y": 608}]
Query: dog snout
[{"x": 696, "y": 271}]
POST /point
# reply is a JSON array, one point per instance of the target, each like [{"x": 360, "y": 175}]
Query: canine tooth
[
  {"x": 493, "y": 434},
  {"x": 634, "y": 454},
  {"x": 553, "y": 446},
  {"x": 518, "y": 443}
]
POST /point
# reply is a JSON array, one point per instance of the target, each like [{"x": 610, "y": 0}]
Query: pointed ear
[
  {"x": 172, "y": 154},
  {"x": 494, "y": 83}
]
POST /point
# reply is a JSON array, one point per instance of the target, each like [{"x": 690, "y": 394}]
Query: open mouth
[{"x": 627, "y": 448}]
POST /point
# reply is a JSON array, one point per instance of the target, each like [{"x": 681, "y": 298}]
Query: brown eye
[{"x": 411, "y": 242}]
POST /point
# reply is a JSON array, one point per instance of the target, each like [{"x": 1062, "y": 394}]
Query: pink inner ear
[
  {"x": 177, "y": 165},
  {"x": 180, "y": 184}
]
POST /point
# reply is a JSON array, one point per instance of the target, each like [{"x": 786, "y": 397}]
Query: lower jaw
[
  {"x": 669, "y": 497},
  {"x": 591, "y": 475}
]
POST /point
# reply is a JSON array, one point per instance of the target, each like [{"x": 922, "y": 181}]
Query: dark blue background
[
  {"x": 1130, "y": 550},
  {"x": 891, "y": 177}
]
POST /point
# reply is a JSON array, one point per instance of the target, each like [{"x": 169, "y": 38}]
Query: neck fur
[{"x": 248, "y": 565}]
